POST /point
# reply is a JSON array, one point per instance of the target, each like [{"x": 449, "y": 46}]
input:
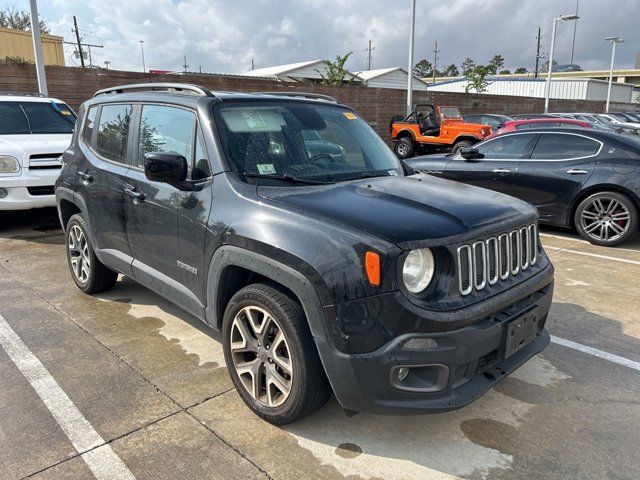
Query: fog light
[
  {"x": 3, "y": 192},
  {"x": 420, "y": 343},
  {"x": 402, "y": 373}
]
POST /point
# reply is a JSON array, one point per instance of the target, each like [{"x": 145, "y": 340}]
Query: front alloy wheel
[
  {"x": 261, "y": 356},
  {"x": 271, "y": 355},
  {"x": 79, "y": 254},
  {"x": 606, "y": 218}
]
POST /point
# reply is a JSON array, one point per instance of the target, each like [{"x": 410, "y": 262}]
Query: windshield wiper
[
  {"x": 286, "y": 177},
  {"x": 362, "y": 175}
]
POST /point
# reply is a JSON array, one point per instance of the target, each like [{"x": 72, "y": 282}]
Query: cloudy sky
[{"x": 223, "y": 36}]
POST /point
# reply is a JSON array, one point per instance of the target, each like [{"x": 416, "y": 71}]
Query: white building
[
  {"x": 562, "y": 88},
  {"x": 298, "y": 72},
  {"x": 390, "y": 78}
]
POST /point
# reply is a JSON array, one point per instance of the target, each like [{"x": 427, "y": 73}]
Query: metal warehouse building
[{"x": 563, "y": 88}]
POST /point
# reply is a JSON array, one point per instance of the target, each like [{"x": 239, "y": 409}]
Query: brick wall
[{"x": 376, "y": 105}]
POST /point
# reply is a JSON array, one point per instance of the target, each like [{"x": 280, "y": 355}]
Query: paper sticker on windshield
[
  {"x": 266, "y": 168},
  {"x": 65, "y": 112},
  {"x": 254, "y": 119},
  {"x": 350, "y": 115}
]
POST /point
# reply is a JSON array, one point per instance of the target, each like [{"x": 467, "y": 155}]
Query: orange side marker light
[{"x": 372, "y": 266}]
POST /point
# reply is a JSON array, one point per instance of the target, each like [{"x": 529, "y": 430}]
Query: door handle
[
  {"x": 135, "y": 196},
  {"x": 85, "y": 176},
  {"x": 501, "y": 170},
  {"x": 577, "y": 172}
]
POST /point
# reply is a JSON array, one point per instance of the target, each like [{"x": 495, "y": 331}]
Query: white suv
[{"x": 34, "y": 131}]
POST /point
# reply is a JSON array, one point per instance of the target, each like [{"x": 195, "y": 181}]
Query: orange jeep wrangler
[{"x": 429, "y": 129}]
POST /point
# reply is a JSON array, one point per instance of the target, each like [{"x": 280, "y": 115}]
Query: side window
[
  {"x": 89, "y": 125},
  {"x": 508, "y": 147},
  {"x": 559, "y": 147},
  {"x": 200, "y": 169},
  {"x": 166, "y": 129},
  {"x": 113, "y": 132}
]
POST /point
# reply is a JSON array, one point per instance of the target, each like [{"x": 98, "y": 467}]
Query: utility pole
[
  {"x": 253, "y": 66},
  {"x": 535, "y": 75},
  {"x": 575, "y": 26},
  {"x": 37, "y": 48},
  {"x": 185, "y": 64},
  {"x": 369, "y": 50},
  {"x": 435, "y": 61},
  {"x": 200, "y": 69},
  {"x": 410, "y": 69},
  {"x": 75, "y": 27},
  {"x": 144, "y": 67}
]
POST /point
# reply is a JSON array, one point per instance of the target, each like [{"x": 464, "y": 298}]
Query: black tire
[
  {"x": 309, "y": 387},
  {"x": 596, "y": 224},
  {"x": 99, "y": 277},
  {"x": 404, "y": 148},
  {"x": 460, "y": 145}
]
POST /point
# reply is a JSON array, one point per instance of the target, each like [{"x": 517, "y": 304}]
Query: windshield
[
  {"x": 449, "y": 112},
  {"x": 35, "y": 117},
  {"x": 301, "y": 140}
]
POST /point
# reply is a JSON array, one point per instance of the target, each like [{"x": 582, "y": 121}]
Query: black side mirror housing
[
  {"x": 471, "y": 154},
  {"x": 165, "y": 167}
]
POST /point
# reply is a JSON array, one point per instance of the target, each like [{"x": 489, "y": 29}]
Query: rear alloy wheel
[
  {"x": 271, "y": 355},
  {"x": 606, "y": 218},
  {"x": 404, "y": 148}
]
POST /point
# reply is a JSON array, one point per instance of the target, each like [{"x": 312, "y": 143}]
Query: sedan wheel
[
  {"x": 261, "y": 356},
  {"x": 606, "y": 218}
]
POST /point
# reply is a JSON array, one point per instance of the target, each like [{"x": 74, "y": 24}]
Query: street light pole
[
  {"x": 614, "y": 41},
  {"x": 547, "y": 89},
  {"x": 37, "y": 48},
  {"x": 575, "y": 27},
  {"x": 144, "y": 68},
  {"x": 410, "y": 68}
]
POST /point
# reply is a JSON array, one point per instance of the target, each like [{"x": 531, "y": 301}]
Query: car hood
[
  {"x": 59, "y": 140},
  {"x": 406, "y": 210}
]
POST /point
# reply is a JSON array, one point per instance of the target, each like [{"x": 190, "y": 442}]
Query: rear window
[
  {"x": 563, "y": 147},
  {"x": 113, "y": 132},
  {"x": 19, "y": 118}
]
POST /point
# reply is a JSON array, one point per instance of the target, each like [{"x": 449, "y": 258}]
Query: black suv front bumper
[{"x": 465, "y": 363}]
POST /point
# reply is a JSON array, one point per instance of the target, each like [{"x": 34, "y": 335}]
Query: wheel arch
[
  {"x": 233, "y": 267},
  {"x": 467, "y": 137},
  {"x": 406, "y": 133}
]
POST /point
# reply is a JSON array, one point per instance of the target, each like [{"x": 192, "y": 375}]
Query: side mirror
[
  {"x": 165, "y": 167},
  {"x": 471, "y": 154},
  {"x": 408, "y": 169}
]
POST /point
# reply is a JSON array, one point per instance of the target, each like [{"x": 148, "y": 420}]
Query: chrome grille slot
[
  {"x": 516, "y": 252},
  {"x": 505, "y": 256},
  {"x": 493, "y": 260},
  {"x": 533, "y": 241},
  {"x": 524, "y": 248},
  {"x": 465, "y": 283},
  {"x": 479, "y": 265},
  {"x": 486, "y": 262}
]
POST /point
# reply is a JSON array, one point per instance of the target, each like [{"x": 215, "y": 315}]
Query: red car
[{"x": 514, "y": 125}]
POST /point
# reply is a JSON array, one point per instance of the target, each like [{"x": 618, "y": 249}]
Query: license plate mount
[{"x": 519, "y": 333}]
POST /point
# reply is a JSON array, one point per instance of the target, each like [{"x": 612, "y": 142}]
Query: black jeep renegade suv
[{"x": 286, "y": 223}]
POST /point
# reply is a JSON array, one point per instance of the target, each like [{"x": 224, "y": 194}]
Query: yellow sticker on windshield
[
  {"x": 350, "y": 115},
  {"x": 65, "y": 112}
]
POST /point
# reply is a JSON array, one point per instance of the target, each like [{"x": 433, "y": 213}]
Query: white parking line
[
  {"x": 98, "y": 456},
  {"x": 597, "y": 353},
  {"x": 579, "y": 240},
  {"x": 596, "y": 255}
]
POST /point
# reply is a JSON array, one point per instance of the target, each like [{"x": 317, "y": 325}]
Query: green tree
[
  {"x": 15, "y": 60},
  {"x": 521, "y": 70},
  {"x": 545, "y": 66},
  {"x": 495, "y": 64},
  {"x": 467, "y": 66},
  {"x": 505, "y": 72},
  {"x": 19, "y": 20},
  {"x": 423, "y": 69},
  {"x": 478, "y": 79},
  {"x": 451, "y": 71},
  {"x": 335, "y": 72}
]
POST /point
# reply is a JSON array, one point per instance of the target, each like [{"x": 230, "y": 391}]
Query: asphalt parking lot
[{"x": 125, "y": 385}]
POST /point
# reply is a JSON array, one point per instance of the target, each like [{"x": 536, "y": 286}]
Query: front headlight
[
  {"x": 417, "y": 270},
  {"x": 9, "y": 164}
]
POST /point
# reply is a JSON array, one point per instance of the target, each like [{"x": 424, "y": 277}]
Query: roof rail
[
  {"x": 21, "y": 94},
  {"x": 178, "y": 87},
  {"x": 310, "y": 95}
]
